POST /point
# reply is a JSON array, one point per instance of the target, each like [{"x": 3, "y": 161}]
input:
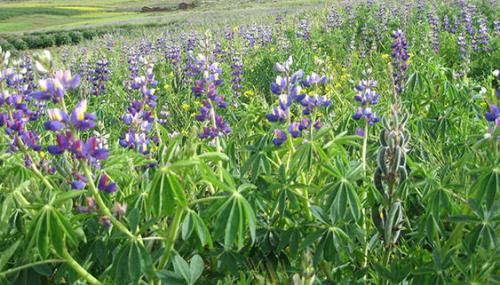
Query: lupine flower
[
  {"x": 55, "y": 88},
  {"x": 279, "y": 137},
  {"x": 434, "y": 23},
  {"x": 304, "y": 31},
  {"x": 237, "y": 74},
  {"x": 400, "y": 58},
  {"x": 106, "y": 185},
  {"x": 493, "y": 115},
  {"x": 483, "y": 36},
  {"x": 139, "y": 117},
  {"x": 99, "y": 77},
  {"x": 366, "y": 97},
  {"x": 206, "y": 88},
  {"x": 288, "y": 87}
]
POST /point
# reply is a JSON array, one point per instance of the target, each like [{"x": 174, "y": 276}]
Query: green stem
[
  {"x": 19, "y": 268},
  {"x": 307, "y": 203},
  {"x": 363, "y": 150},
  {"x": 363, "y": 200},
  {"x": 171, "y": 237},
  {"x": 79, "y": 269},
  {"x": 102, "y": 206}
]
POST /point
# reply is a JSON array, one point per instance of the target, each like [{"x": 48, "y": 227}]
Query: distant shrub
[
  {"x": 89, "y": 34},
  {"x": 76, "y": 37},
  {"x": 63, "y": 39},
  {"x": 47, "y": 41},
  {"x": 6, "y": 45},
  {"x": 19, "y": 44}
]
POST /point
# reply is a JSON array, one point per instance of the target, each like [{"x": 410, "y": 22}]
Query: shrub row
[{"x": 40, "y": 40}]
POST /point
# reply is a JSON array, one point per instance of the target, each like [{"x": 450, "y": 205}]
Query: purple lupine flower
[
  {"x": 138, "y": 118},
  {"x": 80, "y": 119},
  {"x": 288, "y": 87},
  {"x": 58, "y": 120},
  {"x": 279, "y": 137},
  {"x": 206, "y": 88},
  {"x": 462, "y": 44},
  {"x": 55, "y": 88},
  {"x": 105, "y": 184},
  {"x": 367, "y": 97},
  {"x": 99, "y": 76},
  {"x": 446, "y": 24},
  {"x": 434, "y": 23},
  {"x": 400, "y": 58},
  {"x": 493, "y": 115},
  {"x": 237, "y": 73},
  {"x": 304, "y": 31},
  {"x": 482, "y": 36},
  {"x": 79, "y": 181}
]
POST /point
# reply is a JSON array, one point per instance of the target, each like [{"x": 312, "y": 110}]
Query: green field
[{"x": 38, "y": 15}]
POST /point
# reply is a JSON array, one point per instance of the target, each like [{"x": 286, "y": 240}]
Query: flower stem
[
  {"x": 363, "y": 199},
  {"x": 79, "y": 269},
  {"x": 19, "y": 268},
  {"x": 105, "y": 210}
]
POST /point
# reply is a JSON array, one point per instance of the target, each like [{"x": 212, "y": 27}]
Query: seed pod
[
  {"x": 387, "y": 126},
  {"x": 381, "y": 159},
  {"x": 403, "y": 160},
  {"x": 382, "y": 139},
  {"x": 407, "y": 137},
  {"x": 397, "y": 158},
  {"x": 391, "y": 142},
  {"x": 404, "y": 120},
  {"x": 403, "y": 174},
  {"x": 378, "y": 218},
  {"x": 377, "y": 180},
  {"x": 392, "y": 220}
]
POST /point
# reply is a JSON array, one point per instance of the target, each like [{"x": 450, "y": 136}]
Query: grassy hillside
[{"x": 38, "y": 15}]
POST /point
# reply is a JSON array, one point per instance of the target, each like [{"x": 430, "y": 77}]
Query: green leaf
[
  {"x": 133, "y": 218},
  {"x": 146, "y": 261},
  {"x": 64, "y": 196},
  {"x": 7, "y": 254},
  {"x": 43, "y": 234},
  {"x": 175, "y": 186},
  {"x": 202, "y": 231},
  {"x": 196, "y": 268},
  {"x": 171, "y": 278},
  {"x": 232, "y": 224},
  {"x": 182, "y": 267},
  {"x": 121, "y": 264},
  {"x": 65, "y": 226},
  {"x": 213, "y": 156},
  {"x": 134, "y": 260},
  {"x": 187, "y": 226}
]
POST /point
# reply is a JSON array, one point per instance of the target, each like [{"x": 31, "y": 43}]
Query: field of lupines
[{"x": 355, "y": 144}]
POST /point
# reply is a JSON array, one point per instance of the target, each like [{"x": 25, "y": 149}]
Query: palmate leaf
[
  {"x": 50, "y": 227},
  {"x": 235, "y": 216},
  {"x": 165, "y": 192},
  {"x": 131, "y": 262},
  {"x": 487, "y": 186},
  {"x": 302, "y": 159}
]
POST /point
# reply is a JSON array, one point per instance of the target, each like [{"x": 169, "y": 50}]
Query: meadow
[{"x": 251, "y": 142}]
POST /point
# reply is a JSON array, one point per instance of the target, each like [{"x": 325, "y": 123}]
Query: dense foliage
[{"x": 354, "y": 144}]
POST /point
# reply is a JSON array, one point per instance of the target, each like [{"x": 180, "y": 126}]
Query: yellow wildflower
[{"x": 185, "y": 106}]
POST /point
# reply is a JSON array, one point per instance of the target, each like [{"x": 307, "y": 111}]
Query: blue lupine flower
[{"x": 279, "y": 137}]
